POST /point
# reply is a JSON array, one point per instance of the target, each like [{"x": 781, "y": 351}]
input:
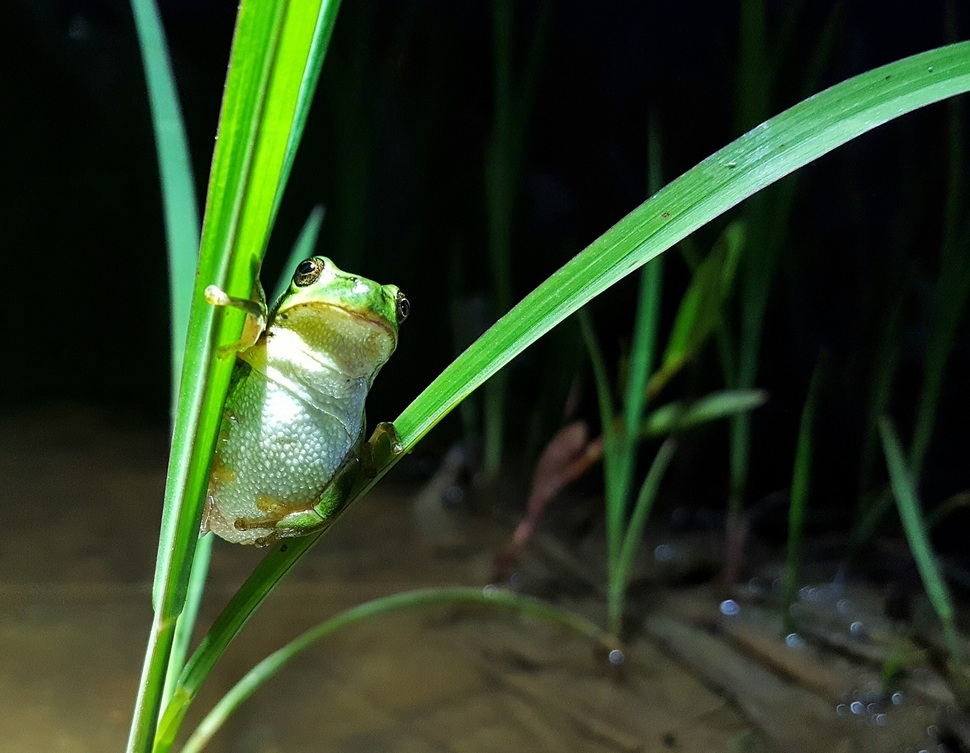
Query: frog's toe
[{"x": 264, "y": 541}]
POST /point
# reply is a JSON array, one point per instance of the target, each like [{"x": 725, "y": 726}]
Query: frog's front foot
[
  {"x": 383, "y": 444},
  {"x": 255, "y": 318}
]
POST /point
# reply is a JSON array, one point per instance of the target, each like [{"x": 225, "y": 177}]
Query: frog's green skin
[{"x": 294, "y": 416}]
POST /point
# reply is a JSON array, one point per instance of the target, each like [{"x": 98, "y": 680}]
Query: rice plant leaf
[
  {"x": 181, "y": 220},
  {"x": 633, "y": 534},
  {"x": 701, "y": 307},
  {"x": 907, "y": 502},
  {"x": 762, "y": 156},
  {"x": 682, "y": 415},
  {"x": 179, "y": 204},
  {"x": 800, "y": 486}
]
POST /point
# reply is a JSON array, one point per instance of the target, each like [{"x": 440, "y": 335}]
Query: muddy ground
[{"x": 81, "y": 499}]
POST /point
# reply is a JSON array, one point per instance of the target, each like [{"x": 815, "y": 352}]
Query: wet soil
[{"x": 81, "y": 500}]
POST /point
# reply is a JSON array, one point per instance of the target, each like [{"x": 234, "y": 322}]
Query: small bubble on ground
[
  {"x": 616, "y": 657},
  {"x": 729, "y": 607}
]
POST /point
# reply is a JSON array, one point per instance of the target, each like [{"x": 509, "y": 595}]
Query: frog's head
[{"x": 347, "y": 315}]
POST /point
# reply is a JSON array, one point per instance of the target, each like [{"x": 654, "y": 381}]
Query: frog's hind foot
[
  {"x": 269, "y": 540},
  {"x": 259, "y": 524},
  {"x": 292, "y": 521}
]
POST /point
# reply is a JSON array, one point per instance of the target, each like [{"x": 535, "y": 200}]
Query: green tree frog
[{"x": 291, "y": 440}]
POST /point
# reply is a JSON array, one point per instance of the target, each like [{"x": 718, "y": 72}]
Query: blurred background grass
[{"x": 395, "y": 149}]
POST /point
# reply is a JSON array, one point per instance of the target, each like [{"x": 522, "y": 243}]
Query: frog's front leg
[
  {"x": 383, "y": 444},
  {"x": 354, "y": 472},
  {"x": 255, "y": 311}
]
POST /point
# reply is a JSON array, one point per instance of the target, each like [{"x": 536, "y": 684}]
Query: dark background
[{"x": 394, "y": 149}]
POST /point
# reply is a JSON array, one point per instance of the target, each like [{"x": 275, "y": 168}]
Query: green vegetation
[{"x": 277, "y": 54}]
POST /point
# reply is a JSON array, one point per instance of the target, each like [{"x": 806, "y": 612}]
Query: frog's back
[{"x": 277, "y": 450}]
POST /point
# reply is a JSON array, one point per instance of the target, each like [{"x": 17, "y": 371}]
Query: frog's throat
[{"x": 341, "y": 344}]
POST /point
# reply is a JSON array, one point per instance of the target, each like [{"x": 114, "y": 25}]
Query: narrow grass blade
[
  {"x": 952, "y": 292},
  {"x": 701, "y": 308},
  {"x": 774, "y": 149},
  {"x": 642, "y": 358},
  {"x": 185, "y": 624},
  {"x": 181, "y": 216},
  {"x": 423, "y": 599},
  {"x": 602, "y": 383},
  {"x": 179, "y": 203},
  {"x": 682, "y": 415},
  {"x": 504, "y": 170},
  {"x": 633, "y": 534},
  {"x": 230, "y": 621},
  {"x": 800, "y": 484},
  {"x": 907, "y": 502}
]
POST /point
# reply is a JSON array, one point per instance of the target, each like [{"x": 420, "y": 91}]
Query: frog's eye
[
  {"x": 307, "y": 272},
  {"x": 403, "y": 307}
]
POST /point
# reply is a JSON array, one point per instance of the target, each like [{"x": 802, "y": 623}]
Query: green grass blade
[
  {"x": 227, "y": 625},
  {"x": 611, "y": 439},
  {"x": 185, "y": 625},
  {"x": 300, "y": 61},
  {"x": 774, "y": 149},
  {"x": 422, "y": 599},
  {"x": 633, "y": 536},
  {"x": 952, "y": 293},
  {"x": 181, "y": 219},
  {"x": 801, "y": 481},
  {"x": 681, "y": 415},
  {"x": 180, "y": 207},
  {"x": 603, "y": 397},
  {"x": 701, "y": 307},
  {"x": 904, "y": 492},
  {"x": 621, "y": 466},
  {"x": 504, "y": 170},
  {"x": 260, "y": 113},
  {"x": 642, "y": 350}
]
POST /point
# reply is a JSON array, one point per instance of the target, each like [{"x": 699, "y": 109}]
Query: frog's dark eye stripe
[
  {"x": 307, "y": 272},
  {"x": 403, "y": 307}
]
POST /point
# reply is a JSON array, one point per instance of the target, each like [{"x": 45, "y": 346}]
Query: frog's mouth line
[{"x": 369, "y": 318}]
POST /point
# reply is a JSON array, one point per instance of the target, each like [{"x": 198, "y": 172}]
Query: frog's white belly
[{"x": 278, "y": 450}]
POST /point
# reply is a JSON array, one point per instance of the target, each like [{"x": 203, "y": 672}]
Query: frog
[{"x": 291, "y": 441}]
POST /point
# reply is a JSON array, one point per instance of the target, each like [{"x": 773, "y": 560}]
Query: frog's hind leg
[{"x": 281, "y": 520}]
